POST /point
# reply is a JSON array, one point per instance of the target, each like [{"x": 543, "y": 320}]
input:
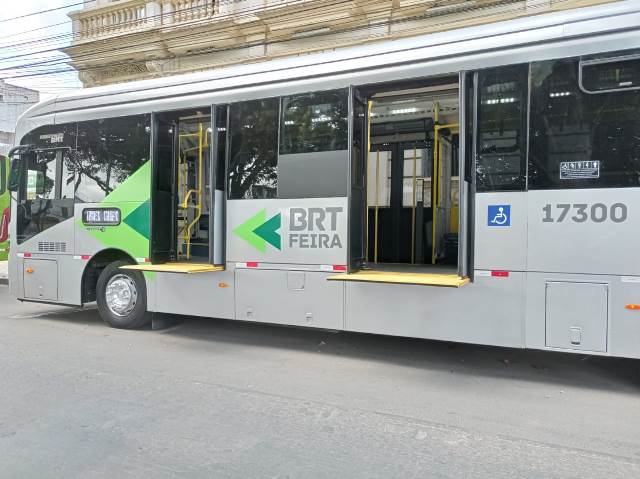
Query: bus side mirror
[{"x": 15, "y": 174}]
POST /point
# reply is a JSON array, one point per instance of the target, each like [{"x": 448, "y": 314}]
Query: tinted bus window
[
  {"x": 314, "y": 135},
  {"x": 40, "y": 201},
  {"x": 501, "y": 147},
  {"x": 615, "y": 74},
  {"x": 52, "y": 143},
  {"x": 314, "y": 122},
  {"x": 108, "y": 152},
  {"x": 578, "y": 139},
  {"x": 253, "y": 141},
  {"x": 220, "y": 132}
]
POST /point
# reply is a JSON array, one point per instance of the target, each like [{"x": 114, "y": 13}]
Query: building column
[{"x": 153, "y": 11}]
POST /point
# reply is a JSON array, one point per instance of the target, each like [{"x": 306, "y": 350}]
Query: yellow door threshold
[
  {"x": 423, "y": 279},
  {"x": 187, "y": 268}
]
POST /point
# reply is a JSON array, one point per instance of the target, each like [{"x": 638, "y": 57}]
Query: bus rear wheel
[{"x": 122, "y": 297}]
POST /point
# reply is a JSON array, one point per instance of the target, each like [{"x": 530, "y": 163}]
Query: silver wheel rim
[{"x": 121, "y": 295}]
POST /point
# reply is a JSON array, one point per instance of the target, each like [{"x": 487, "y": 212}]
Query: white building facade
[
  {"x": 123, "y": 40},
  {"x": 14, "y": 101}
]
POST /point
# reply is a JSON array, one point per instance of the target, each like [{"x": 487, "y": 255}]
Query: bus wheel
[{"x": 122, "y": 297}]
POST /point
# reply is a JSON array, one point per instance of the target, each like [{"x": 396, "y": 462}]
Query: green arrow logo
[{"x": 258, "y": 231}]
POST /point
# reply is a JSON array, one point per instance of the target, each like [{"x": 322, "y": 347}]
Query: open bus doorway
[
  {"x": 411, "y": 208},
  {"x": 186, "y": 203},
  {"x": 193, "y": 173}
]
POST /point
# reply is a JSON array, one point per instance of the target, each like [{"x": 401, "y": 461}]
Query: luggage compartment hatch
[{"x": 577, "y": 315}]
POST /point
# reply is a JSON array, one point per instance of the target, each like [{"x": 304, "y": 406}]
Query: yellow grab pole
[
  {"x": 366, "y": 184},
  {"x": 198, "y": 193},
  {"x": 375, "y": 219},
  {"x": 413, "y": 207},
  {"x": 435, "y": 181}
]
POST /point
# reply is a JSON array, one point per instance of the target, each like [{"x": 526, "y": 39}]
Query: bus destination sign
[{"x": 101, "y": 216}]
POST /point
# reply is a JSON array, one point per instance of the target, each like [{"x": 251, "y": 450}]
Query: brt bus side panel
[
  {"x": 500, "y": 243},
  {"x": 298, "y": 298},
  {"x": 576, "y": 315},
  {"x": 584, "y": 231},
  {"x": 41, "y": 279},
  {"x": 624, "y": 322},
  {"x": 57, "y": 243},
  {"x": 199, "y": 294},
  {"x": 618, "y": 328},
  {"x": 488, "y": 311},
  {"x": 302, "y": 231}
]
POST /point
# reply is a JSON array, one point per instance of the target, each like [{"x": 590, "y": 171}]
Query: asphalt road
[{"x": 223, "y": 399}]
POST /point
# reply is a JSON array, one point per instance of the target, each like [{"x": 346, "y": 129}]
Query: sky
[{"x": 15, "y": 31}]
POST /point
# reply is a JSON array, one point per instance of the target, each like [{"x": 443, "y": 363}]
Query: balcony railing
[{"x": 137, "y": 15}]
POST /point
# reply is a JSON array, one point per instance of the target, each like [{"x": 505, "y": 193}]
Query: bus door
[
  {"x": 189, "y": 150},
  {"x": 217, "y": 234},
  {"x": 358, "y": 146},
  {"x": 466, "y": 160},
  {"x": 163, "y": 221}
]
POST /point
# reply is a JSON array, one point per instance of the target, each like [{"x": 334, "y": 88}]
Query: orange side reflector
[
  {"x": 223, "y": 285},
  {"x": 633, "y": 306},
  {"x": 29, "y": 270}
]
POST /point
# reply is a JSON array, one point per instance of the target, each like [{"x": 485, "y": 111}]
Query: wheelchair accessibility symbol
[{"x": 499, "y": 215}]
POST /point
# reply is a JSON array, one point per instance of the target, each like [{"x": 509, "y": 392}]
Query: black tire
[{"x": 134, "y": 314}]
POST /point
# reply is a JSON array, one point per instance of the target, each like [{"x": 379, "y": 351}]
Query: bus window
[
  {"x": 314, "y": 122},
  {"x": 41, "y": 176},
  {"x": 108, "y": 152},
  {"x": 313, "y": 157},
  {"x": 253, "y": 160},
  {"x": 578, "y": 139},
  {"x": 39, "y": 203},
  {"x": 501, "y": 134},
  {"x": 603, "y": 75}
]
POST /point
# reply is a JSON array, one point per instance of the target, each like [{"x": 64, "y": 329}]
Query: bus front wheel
[{"x": 122, "y": 297}]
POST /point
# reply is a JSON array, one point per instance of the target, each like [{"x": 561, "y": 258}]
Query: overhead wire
[
  {"x": 159, "y": 16},
  {"x": 48, "y": 10},
  {"x": 59, "y": 61},
  {"x": 142, "y": 33},
  {"x": 54, "y": 62}
]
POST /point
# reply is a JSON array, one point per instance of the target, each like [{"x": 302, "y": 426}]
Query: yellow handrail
[
  {"x": 186, "y": 231},
  {"x": 366, "y": 184},
  {"x": 435, "y": 183},
  {"x": 375, "y": 217},
  {"x": 413, "y": 208},
  {"x": 198, "y": 192}
]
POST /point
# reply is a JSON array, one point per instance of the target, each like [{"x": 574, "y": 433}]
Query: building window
[
  {"x": 501, "y": 147},
  {"x": 579, "y": 139},
  {"x": 253, "y": 161}
]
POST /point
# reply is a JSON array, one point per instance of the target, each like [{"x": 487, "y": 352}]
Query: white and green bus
[{"x": 479, "y": 185}]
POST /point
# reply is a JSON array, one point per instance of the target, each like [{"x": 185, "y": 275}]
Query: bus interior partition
[{"x": 412, "y": 177}]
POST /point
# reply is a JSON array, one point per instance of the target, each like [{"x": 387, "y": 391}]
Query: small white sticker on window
[{"x": 579, "y": 170}]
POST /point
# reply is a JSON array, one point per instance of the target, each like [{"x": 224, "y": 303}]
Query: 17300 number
[{"x": 581, "y": 212}]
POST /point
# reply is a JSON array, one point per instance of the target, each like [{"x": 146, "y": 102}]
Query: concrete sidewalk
[{"x": 4, "y": 272}]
